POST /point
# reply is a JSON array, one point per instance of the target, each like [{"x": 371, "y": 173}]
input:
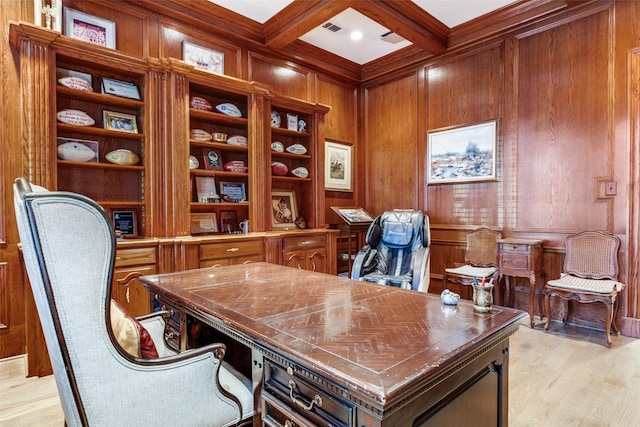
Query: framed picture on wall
[
  {"x": 89, "y": 28},
  {"x": 460, "y": 154},
  {"x": 203, "y": 58},
  {"x": 338, "y": 173},
  {"x": 284, "y": 209}
]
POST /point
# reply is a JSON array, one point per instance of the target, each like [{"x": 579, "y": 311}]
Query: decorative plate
[
  {"x": 76, "y": 83},
  {"x": 229, "y": 109},
  {"x": 75, "y": 117},
  {"x": 275, "y": 119}
]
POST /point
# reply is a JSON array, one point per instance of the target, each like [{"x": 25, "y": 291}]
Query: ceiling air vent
[
  {"x": 391, "y": 37},
  {"x": 332, "y": 27}
]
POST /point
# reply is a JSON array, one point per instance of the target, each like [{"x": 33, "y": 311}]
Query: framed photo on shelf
[
  {"x": 206, "y": 189},
  {"x": 202, "y": 58},
  {"x": 292, "y": 122},
  {"x": 204, "y": 223},
  {"x": 234, "y": 190},
  {"x": 353, "y": 215},
  {"x": 284, "y": 209},
  {"x": 122, "y": 122},
  {"x": 126, "y": 222},
  {"x": 338, "y": 173},
  {"x": 120, "y": 88},
  {"x": 89, "y": 28},
  {"x": 461, "y": 154},
  {"x": 73, "y": 149},
  {"x": 212, "y": 159},
  {"x": 228, "y": 221}
]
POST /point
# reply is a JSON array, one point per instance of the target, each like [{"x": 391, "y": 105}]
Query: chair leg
[
  {"x": 607, "y": 323},
  {"x": 547, "y": 310},
  {"x": 614, "y": 324},
  {"x": 565, "y": 315}
]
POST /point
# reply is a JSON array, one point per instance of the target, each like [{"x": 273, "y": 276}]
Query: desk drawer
[
  {"x": 305, "y": 242},
  {"x": 135, "y": 256},
  {"x": 277, "y": 414},
  {"x": 318, "y": 406},
  {"x": 236, "y": 249}
]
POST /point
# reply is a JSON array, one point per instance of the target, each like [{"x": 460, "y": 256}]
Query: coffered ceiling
[
  {"x": 363, "y": 31},
  {"x": 395, "y": 33}
]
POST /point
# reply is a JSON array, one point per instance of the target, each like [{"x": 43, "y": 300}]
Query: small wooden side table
[{"x": 522, "y": 258}]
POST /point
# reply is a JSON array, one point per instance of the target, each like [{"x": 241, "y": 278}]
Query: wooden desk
[
  {"x": 522, "y": 258},
  {"x": 354, "y": 353}
]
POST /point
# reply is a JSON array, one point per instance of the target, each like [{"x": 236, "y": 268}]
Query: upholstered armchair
[
  {"x": 397, "y": 251},
  {"x": 68, "y": 246}
]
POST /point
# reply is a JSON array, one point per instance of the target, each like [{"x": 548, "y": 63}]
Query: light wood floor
[{"x": 563, "y": 378}]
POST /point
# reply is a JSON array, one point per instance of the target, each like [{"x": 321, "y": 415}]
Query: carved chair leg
[
  {"x": 607, "y": 323},
  {"x": 614, "y": 323},
  {"x": 547, "y": 310}
]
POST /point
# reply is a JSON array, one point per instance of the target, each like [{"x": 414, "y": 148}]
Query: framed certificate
[
  {"x": 119, "y": 88},
  {"x": 234, "y": 190}
]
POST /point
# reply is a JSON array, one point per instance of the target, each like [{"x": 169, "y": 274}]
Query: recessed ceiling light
[{"x": 356, "y": 35}]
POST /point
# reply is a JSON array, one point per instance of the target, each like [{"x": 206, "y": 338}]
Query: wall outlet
[{"x": 610, "y": 188}]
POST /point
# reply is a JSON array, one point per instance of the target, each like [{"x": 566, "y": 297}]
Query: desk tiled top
[{"x": 378, "y": 339}]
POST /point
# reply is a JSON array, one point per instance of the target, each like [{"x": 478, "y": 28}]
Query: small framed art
[
  {"x": 120, "y": 88},
  {"x": 212, "y": 159},
  {"x": 204, "y": 223},
  {"x": 228, "y": 221},
  {"x": 122, "y": 122},
  {"x": 203, "y": 58},
  {"x": 206, "y": 189},
  {"x": 234, "y": 190},
  {"x": 338, "y": 157},
  {"x": 284, "y": 209},
  {"x": 89, "y": 28},
  {"x": 125, "y": 221}
]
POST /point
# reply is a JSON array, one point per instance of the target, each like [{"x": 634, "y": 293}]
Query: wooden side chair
[
  {"x": 590, "y": 275},
  {"x": 480, "y": 260}
]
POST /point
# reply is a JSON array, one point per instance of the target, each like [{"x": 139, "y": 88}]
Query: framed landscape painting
[
  {"x": 338, "y": 158},
  {"x": 462, "y": 154}
]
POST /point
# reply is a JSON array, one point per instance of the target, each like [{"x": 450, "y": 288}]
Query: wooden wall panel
[
  {"x": 391, "y": 145},
  {"x": 564, "y": 123},
  {"x": 284, "y": 77},
  {"x": 340, "y": 125},
  {"x": 461, "y": 92}
]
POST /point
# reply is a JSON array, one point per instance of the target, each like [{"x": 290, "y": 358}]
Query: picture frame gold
[
  {"x": 284, "y": 209},
  {"x": 121, "y": 122}
]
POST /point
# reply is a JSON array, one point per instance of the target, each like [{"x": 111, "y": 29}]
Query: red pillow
[{"x": 130, "y": 334}]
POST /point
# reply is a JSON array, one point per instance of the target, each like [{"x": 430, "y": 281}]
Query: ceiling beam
[
  {"x": 408, "y": 20},
  {"x": 297, "y": 19}
]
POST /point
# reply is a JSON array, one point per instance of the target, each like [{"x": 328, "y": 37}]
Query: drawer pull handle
[
  {"x": 288, "y": 423},
  {"x": 233, "y": 249},
  {"x": 317, "y": 400}
]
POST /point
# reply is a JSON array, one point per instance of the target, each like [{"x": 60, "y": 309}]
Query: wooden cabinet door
[
  {"x": 132, "y": 296},
  {"x": 317, "y": 260}
]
